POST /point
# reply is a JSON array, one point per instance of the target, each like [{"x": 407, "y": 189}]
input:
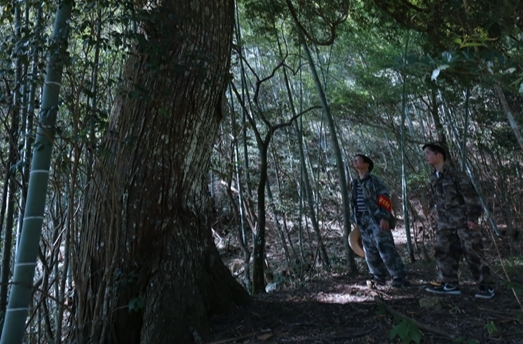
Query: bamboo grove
[{"x": 310, "y": 85}]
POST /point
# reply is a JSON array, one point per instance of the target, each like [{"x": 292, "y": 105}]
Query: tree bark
[{"x": 147, "y": 270}]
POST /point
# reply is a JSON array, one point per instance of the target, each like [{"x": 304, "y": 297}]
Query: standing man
[
  {"x": 457, "y": 209},
  {"x": 371, "y": 211}
]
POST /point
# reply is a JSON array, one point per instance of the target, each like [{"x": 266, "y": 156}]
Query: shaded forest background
[{"x": 309, "y": 85}]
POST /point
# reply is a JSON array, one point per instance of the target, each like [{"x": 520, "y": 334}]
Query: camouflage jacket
[
  {"x": 378, "y": 193},
  {"x": 455, "y": 199}
]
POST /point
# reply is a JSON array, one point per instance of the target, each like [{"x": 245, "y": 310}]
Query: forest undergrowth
[{"x": 334, "y": 306}]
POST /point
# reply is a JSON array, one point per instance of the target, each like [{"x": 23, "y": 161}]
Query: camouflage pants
[
  {"x": 451, "y": 245},
  {"x": 380, "y": 252}
]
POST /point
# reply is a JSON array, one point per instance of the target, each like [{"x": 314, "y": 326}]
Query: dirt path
[
  {"x": 339, "y": 308},
  {"x": 344, "y": 310}
]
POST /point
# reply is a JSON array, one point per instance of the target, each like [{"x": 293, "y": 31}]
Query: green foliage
[
  {"x": 263, "y": 15},
  {"x": 407, "y": 331},
  {"x": 136, "y": 304},
  {"x": 515, "y": 286},
  {"x": 513, "y": 267},
  {"x": 491, "y": 328},
  {"x": 418, "y": 182}
]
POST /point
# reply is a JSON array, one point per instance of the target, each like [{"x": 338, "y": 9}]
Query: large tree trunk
[{"x": 147, "y": 270}]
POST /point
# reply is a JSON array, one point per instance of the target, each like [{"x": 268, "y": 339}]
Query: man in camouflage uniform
[
  {"x": 457, "y": 209},
  {"x": 371, "y": 211}
]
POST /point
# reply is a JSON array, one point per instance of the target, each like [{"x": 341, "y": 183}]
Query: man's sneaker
[
  {"x": 374, "y": 282},
  {"x": 400, "y": 283},
  {"x": 485, "y": 292},
  {"x": 444, "y": 289},
  {"x": 379, "y": 281}
]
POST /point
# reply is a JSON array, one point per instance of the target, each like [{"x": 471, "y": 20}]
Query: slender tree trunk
[
  {"x": 29, "y": 130},
  {"x": 9, "y": 198},
  {"x": 286, "y": 234},
  {"x": 242, "y": 230},
  {"x": 93, "y": 116},
  {"x": 10, "y": 216},
  {"x": 150, "y": 272},
  {"x": 404, "y": 190},
  {"x": 301, "y": 191},
  {"x": 258, "y": 278},
  {"x": 440, "y": 131},
  {"x": 310, "y": 202},
  {"x": 8, "y": 243},
  {"x": 70, "y": 226},
  {"x": 465, "y": 128},
  {"x": 285, "y": 230},
  {"x": 467, "y": 168},
  {"x": 277, "y": 224},
  {"x": 305, "y": 174},
  {"x": 511, "y": 120},
  {"x": 244, "y": 110},
  {"x": 11, "y": 172},
  {"x": 11, "y": 185},
  {"x": 21, "y": 293},
  {"x": 339, "y": 161}
]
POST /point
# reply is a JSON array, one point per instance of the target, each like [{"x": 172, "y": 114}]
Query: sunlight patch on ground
[{"x": 354, "y": 294}]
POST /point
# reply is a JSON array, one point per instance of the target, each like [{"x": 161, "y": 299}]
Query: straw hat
[{"x": 355, "y": 242}]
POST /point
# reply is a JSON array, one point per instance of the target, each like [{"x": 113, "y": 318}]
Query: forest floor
[{"x": 336, "y": 307}]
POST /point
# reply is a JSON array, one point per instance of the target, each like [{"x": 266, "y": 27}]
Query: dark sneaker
[
  {"x": 379, "y": 281},
  {"x": 400, "y": 283},
  {"x": 485, "y": 292},
  {"x": 444, "y": 289},
  {"x": 374, "y": 282}
]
